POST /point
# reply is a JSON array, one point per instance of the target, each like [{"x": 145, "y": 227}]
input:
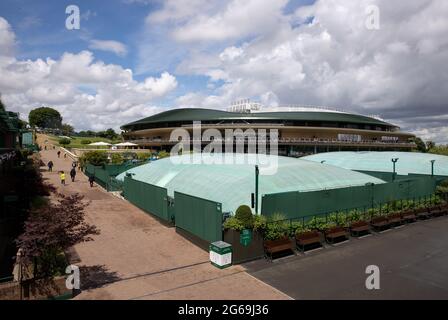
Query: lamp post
[
  {"x": 257, "y": 173},
  {"x": 394, "y": 161},
  {"x": 432, "y": 167}
]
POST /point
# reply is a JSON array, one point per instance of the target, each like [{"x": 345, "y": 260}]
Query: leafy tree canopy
[
  {"x": 45, "y": 117},
  {"x": 96, "y": 158}
]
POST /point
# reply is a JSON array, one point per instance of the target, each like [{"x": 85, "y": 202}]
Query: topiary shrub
[
  {"x": 244, "y": 214},
  {"x": 86, "y": 141}
]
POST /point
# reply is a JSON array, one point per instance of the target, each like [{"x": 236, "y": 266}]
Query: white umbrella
[{"x": 99, "y": 144}]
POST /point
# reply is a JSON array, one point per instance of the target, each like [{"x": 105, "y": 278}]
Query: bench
[
  {"x": 423, "y": 213},
  {"x": 359, "y": 227},
  {"x": 333, "y": 233},
  {"x": 309, "y": 238},
  {"x": 394, "y": 219},
  {"x": 438, "y": 211},
  {"x": 276, "y": 246},
  {"x": 379, "y": 223},
  {"x": 408, "y": 216}
]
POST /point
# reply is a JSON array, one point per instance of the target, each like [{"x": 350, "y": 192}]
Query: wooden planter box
[
  {"x": 242, "y": 253},
  {"x": 307, "y": 240},
  {"x": 335, "y": 233},
  {"x": 359, "y": 228}
]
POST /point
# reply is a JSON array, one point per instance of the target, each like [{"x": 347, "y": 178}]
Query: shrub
[
  {"x": 64, "y": 141},
  {"x": 96, "y": 158},
  {"x": 244, "y": 215},
  {"x": 143, "y": 156},
  {"x": 276, "y": 227},
  {"x": 259, "y": 223},
  {"x": 86, "y": 141},
  {"x": 233, "y": 223},
  {"x": 116, "y": 158}
]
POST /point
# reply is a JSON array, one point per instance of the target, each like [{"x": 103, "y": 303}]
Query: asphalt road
[{"x": 413, "y": 264}]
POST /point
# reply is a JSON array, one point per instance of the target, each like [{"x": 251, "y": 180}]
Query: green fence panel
[
  {"x": 301, "y": 204},
  {"x": 200, "y": 217},
  {"x": 151, "y": 199},
  {"x": 114, "y": 185},
  {"x": 101, "y": 177}
]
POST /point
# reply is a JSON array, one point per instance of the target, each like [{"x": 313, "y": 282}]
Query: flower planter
[{"x": 243, "y": 253}]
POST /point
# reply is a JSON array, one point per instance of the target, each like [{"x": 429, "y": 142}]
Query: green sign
[{"x": 246, "y": 237}]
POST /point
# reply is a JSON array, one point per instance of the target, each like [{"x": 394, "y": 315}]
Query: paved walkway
[
  {"x": 136, "y": 257},
  {"x": 413, "y": 264}
]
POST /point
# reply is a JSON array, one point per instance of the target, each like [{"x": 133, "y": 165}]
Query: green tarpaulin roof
[
  {"x": 232, "y": 185},
  {"x": 408, "y": 162}
]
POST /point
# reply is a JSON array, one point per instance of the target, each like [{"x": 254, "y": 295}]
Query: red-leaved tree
[{"x": 52, "y": 229}]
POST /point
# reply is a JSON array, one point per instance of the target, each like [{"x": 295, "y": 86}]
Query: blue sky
[{"x": 133, "y": 58}]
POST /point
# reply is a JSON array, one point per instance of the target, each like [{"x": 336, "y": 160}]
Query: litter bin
[{"x": 221, "y": 254}]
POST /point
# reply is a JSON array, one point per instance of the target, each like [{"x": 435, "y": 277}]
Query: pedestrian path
[{"x": 136, "y": 257}]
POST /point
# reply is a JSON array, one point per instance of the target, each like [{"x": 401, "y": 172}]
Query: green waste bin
[{"x": 221, "y": 254}]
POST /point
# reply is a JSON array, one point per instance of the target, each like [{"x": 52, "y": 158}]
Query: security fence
[
  {"x": 105, "y": 175},
  {"x": 346, "y": 216},
  {"x": 198, "y": 216},
  {"x": 150, "y": 198},
  {"x": 299, "y": 204}
]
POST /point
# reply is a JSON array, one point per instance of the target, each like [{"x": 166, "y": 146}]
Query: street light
[
  {"x": 432, "y": 167},
  {"x": 257, "y": 172},
  {"x": 394, "y": 161}
]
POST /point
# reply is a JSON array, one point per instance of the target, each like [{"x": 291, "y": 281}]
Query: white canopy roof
[
  {"x": 126, "y": 144},
  {"x": 100, "y": 143}
]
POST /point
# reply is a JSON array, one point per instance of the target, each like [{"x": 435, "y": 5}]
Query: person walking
[
  {"x": 62, "y": 176},
  {"x": 65, "y": 155},
  {"x": 73, "y": 174},
  {"x": 91, "y": 180},
  {"x": 50, "y": 166},
  {"x": 59, "y": 153}
]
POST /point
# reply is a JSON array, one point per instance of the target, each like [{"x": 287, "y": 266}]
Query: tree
[
  {"x": 52, "y": 229},
  {"x": 67, "y": 129},
  {"x": 421, "y": 146},
  {"x": 2, "y": 106},
  {"x": 96, "y": 158},
  {"x": 45, "y": 117},
  {"x": 430, "y": 145}
]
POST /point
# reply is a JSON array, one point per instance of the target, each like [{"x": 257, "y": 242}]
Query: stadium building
[{"x": 301, "y": 130}]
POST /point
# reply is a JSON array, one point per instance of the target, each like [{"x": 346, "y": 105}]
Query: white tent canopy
[
  {"x": 100, "y": 144},
  {"x": 126, "y": 144}
]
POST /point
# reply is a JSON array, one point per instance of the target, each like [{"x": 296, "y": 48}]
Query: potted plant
[{"x": 244, "y": 231}]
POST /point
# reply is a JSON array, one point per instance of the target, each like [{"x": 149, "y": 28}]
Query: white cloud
[
  {"x": 333, "y": 59},
  {"x": 7, "y": 38},
  {"x": 89, "y": 93},
  {"x": 109, "y": 45}
]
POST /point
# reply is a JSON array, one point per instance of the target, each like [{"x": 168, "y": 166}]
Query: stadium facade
[{"x": 301, "y": 131}]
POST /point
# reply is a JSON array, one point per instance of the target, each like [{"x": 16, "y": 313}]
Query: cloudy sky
[{"x": 133, "y": 58}]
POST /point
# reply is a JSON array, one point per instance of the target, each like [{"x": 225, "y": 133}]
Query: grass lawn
[{"x": 76, "y": 141}]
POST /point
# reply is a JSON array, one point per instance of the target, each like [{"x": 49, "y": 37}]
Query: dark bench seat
[
  {"x": 308, "y": 239},
  {"x": 359, "y": 227},
  {"x": 331, "y": 234},
  {"x": 272, "y": 247}
]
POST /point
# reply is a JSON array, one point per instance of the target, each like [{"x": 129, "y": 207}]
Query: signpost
[{"x": 246, "y": 237}]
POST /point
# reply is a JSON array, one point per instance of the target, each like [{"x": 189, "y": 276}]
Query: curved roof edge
[{"x": 202, "y": 114}]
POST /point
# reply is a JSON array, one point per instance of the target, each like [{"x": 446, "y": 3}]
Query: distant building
[{"x": 301, "y": 130}]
